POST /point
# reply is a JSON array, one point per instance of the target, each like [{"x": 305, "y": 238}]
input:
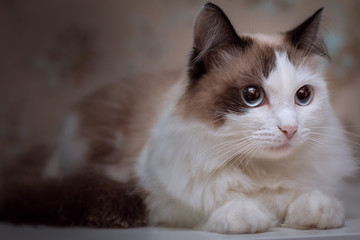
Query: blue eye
[
  {"x": 252, "y": 96},
  {"x": 303, "y": 96}
]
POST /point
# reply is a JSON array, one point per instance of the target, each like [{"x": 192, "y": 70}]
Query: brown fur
[
  {"x": 115, "y": 120},
  {"x": 218, "y": 92},
  {"x": 87, "y": 199}
]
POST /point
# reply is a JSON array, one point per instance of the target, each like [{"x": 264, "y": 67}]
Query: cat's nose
[{"x": 289, "y": 131}]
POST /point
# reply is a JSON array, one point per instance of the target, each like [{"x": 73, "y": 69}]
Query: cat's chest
[{"x": 255, "y": 180}]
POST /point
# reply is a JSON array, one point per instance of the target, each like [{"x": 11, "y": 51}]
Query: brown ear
[
  {"x": 305, "y": 37},
  {"x": 213, "y": 33}
]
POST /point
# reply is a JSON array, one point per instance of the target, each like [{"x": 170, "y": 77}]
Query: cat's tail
[{"x": 83, "y": 199}]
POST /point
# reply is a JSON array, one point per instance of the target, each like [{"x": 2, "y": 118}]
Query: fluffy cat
[{"x": 245, "y": 141}]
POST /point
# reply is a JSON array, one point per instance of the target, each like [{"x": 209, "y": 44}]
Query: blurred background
[{"x": 54, "y": 52}]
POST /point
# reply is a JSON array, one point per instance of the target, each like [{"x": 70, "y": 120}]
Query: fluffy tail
[{"x": 86, "y": 199}]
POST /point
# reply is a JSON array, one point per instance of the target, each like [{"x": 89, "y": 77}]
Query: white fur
[
  {"x": 245, "y": 216},
  {"x": 315, "y": 210},
  {"x": 232, "y": 179}
]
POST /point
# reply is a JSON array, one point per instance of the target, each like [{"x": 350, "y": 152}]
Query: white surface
[{"x": 350, "y": 231}]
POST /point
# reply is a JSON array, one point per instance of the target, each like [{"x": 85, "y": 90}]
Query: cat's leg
[
  {"x": 243, "y": 216},
  {"x": 163, "y": 210},
  {"x": 314, "y": 210}
]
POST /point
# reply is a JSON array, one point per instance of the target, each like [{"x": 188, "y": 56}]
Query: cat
[{"x": 244, "y": 141}]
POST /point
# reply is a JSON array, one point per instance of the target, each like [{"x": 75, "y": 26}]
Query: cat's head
[{"x": 266, "y": 91}]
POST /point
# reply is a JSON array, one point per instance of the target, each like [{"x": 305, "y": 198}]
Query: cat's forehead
[
  {"x": 268, "y": 54},
  {"x": 286, "y": 78},
  {"x": 269, "y": 39}
]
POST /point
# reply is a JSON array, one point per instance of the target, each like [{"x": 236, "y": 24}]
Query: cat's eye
[
  {"x": 252, "y": 96},
  {"x": 303, "y": 96}
]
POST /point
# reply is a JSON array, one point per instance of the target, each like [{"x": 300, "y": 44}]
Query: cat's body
[{"x": 243, "y": 142}]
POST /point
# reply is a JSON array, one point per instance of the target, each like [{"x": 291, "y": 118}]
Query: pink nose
[{"x": 289, "y": 131}]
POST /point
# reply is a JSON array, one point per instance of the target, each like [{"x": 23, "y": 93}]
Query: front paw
[
  {"x": 314, "y": 210},
  {"x": 240, "y": 217}
]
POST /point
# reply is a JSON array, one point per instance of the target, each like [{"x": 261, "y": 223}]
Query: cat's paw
[
  {"x": 240, "y": 217},
  {"x": 314, "y": 210}
]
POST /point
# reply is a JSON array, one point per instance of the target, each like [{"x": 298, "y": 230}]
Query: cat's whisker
[
  {"x": 235, "y": 134},
  {"x": 223, "y": 152},
  {"x": 314, "y": 144},
  {"x": 313, "y": 140},
  {"x": 232, "y": 148},
  {"x": 226, "y": 143},
  {"x": 229, "y": 161},
  {"x": 346, "y": 128},
  {"x": 254, "y": 166},
  {"x": 317, "y": 142},
  {"x": 238, "y": 150},
  {"x": 243, "y": 157},
  {"x": 346, "y": 132},
  {"x": 252, "y": 152},
  {"x": 326, "y": 137},
  {"x": 244, "y": 160}
]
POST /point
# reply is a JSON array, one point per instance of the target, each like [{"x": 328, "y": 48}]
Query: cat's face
[
  {"x": 281, "y": 110},
  {"x": 265, "y": 93}
]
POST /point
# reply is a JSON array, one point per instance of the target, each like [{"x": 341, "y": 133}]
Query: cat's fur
[{"x": 201, "y": 156}]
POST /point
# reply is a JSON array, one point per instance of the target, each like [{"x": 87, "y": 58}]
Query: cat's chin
[
  {"x": 278, "y": 151},
  {"x": 282, "y": 147}
]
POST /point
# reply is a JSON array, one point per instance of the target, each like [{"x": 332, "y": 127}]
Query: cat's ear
[
  {"x": 305, "y": 37},
  {"x": 213, "y": 33}
]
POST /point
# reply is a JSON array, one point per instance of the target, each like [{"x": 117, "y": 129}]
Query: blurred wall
[{"x": 54, "y": 52}]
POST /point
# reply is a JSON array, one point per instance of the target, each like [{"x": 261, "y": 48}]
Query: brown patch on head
[
  {"x": 217, "y": 93},
  {"x": 300, "y": 58}
]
